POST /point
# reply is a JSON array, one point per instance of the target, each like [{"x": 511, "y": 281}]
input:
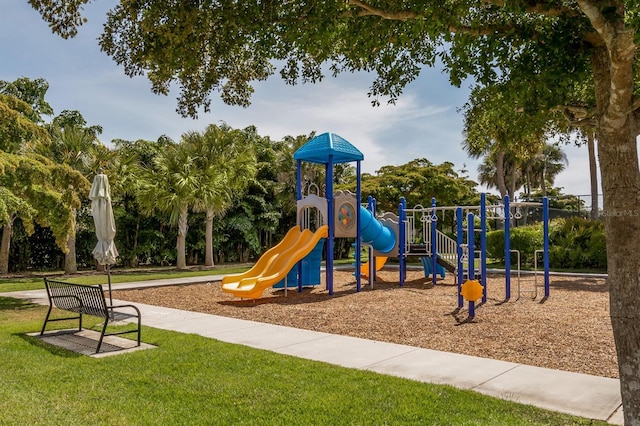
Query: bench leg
[
  {"x": 139, "y": 327},
  {"x": 104, "y": 328},
  {"x": 44, "y": 326}
]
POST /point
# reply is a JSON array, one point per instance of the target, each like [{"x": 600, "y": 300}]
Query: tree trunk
[
  {"x": 502, "y": 187},
  {"x": 70, "y": 265},
  {"x": 622, "y": 226},
  {"x": 181, "y": 260},
  {"x": 135, "y": 261},
  {"x": 208, "y": 237},
  {"x": 5, "y": 245},
  {"x": 620, "y": 173},
  {"x": 512, "y": 183},
  {"x": 593, "y": 173}
]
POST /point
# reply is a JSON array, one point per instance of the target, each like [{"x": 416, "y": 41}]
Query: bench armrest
[{"x": 112, "y": 308}]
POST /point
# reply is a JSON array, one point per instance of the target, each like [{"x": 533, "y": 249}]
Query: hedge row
[{"x": 573, "y": 243}]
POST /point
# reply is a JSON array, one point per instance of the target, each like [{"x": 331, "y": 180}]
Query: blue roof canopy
[{"x": 318, "y": 150}]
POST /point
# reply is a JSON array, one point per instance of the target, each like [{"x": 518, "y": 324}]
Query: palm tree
[
  {"x": 202, "y": 173},
  {"x": 226, "y": 163},
  {"x": 543, "y": 167},
  {"x": 501, "y": 171},
  {"x": 312, "y": 174},
  {"x": 169, "y": 185},
  {"x": 126, "y": 180},
  {"x": 74, "y": 144},
  {"x": 506, "y": 134}
]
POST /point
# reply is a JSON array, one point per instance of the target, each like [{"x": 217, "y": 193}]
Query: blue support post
[
  {"x": 298, "y": 198},
  {"x": 402, "y": 230},
  {"x": 298, "y": 180},
  {"x": 472, "y": 260},
  {"x": 330, "y": 214},
  {"x": 371, "y": 206},
  {"x": 358, "y": 241},
  {"x": 434, "y": 236},
  {"x": 545, "y": 253},
  {"x": 460, "y": 240},
  {"x": 483, "y": 245},
  {"x": 507, "y": 247}
]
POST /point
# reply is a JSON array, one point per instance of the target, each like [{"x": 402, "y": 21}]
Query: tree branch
[
  {"x": 538, "y": 8},
  {"x": 368, "y": 10},
  {"x": 620, "y": 45},
  {"x": 578, "y": 116}
]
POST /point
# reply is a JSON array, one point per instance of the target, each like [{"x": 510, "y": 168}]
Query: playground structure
[
  {"x": 295, "y": 262},
  {"x": 274, "y": 267},
  {"x": 285, "y": 264},
  {"x": 460, "y": 255},
  {"x": 438, "y": 252}
]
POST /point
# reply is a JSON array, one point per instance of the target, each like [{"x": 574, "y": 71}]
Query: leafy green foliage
[
  {"x": 64, "y": 16},
  {"x": 574, "y": 243},
  {"x": 525, "y": 239},
  {"x": 32, "y": 92},
  {"x": 577, "y": 243},
  {"x": 43, "y": 191},
  {"x": 418, "y": 181}
]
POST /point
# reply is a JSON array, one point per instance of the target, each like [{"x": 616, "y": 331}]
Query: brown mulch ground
[{"x": 570, "y": 331}]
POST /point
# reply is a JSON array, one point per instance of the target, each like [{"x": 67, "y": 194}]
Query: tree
[
  {"x": 21, "y": 107},
  {"x": 509, "y": 138},
  {"x": 170, "y": 186},
  {"x": 226, "y": 163},
  {"x": 501, "y": 171},
  {"x": 542, "y": 168},
  {"x": 37, "y": 190},
  {"x": 418, "y": 181},
  {"x": 142, "y": 237},
  {"x": 32, "y": 92},
  {"x": 546, "y": 48},
  {"x": 72, "y": 143}
]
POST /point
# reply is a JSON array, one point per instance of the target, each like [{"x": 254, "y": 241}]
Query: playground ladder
[
  {"x": 418, "y": 229},
  {"x": 447, "y": 248},
  {"x": 534, "y": 290}
]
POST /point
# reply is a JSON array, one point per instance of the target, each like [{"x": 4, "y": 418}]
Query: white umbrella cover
[{"x": 105, "y": 251}]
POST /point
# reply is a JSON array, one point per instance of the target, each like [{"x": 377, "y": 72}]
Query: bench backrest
[{"x": 86, "y": 299}]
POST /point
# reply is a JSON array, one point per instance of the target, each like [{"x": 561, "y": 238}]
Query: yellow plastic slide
[
  {"x": 265, "y": 260},
  {"x": 275, "y": 264},
  {"x": 380, "y": 261}
]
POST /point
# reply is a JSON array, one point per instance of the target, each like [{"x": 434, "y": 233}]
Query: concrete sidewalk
[{"x": 582, "y": 395}]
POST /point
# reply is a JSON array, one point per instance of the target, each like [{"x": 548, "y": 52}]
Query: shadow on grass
[
  {"x": 52, "y": 349},
  {"x": 11, "y": 304}
]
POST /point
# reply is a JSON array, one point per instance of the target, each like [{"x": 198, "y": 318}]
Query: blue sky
[{"x": 425, "y": 122}]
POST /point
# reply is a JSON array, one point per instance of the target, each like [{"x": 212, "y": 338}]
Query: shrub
[
  {"x": 577, "y": 243},
  {"x": 525, "y": 239},
  {"x": 495, "y": 245}
]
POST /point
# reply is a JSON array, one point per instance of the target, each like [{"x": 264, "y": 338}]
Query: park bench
[{"x": 86, "y": 300}]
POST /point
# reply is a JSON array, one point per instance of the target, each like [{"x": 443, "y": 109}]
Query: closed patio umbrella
[{"x": 105, "y": 251}]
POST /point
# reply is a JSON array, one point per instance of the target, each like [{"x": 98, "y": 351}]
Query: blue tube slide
[{"x": 373, "y": 232}]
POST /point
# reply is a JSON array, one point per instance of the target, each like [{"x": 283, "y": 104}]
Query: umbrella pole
[{"x": 109, "y": 282}]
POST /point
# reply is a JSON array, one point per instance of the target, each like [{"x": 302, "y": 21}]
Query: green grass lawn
[
  {"x": 120, "y": 276},
  {"x": 190, "y": 379}
]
